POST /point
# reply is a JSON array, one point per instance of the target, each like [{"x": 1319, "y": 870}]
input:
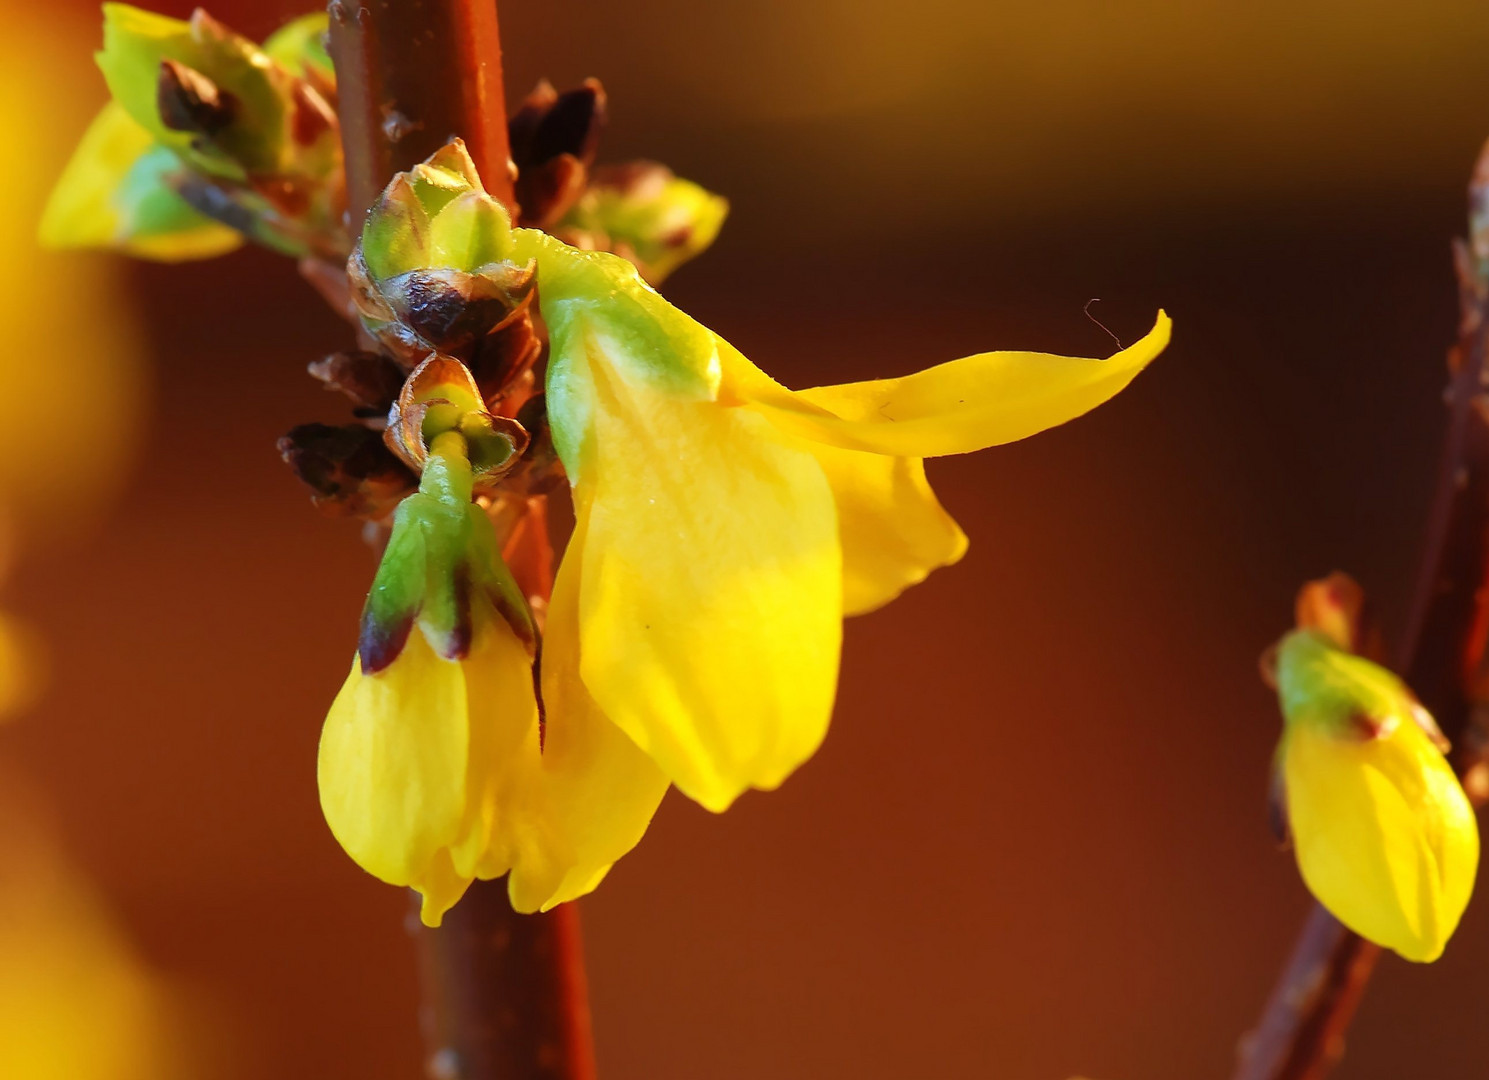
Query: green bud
[
  {"x": 136, "y": 45},
  {"x": 436, "y": 216},
  {"x": 434, "y": 269},
  {"x": 257, "y": 143},
  {"x": 646, "y": 214}
]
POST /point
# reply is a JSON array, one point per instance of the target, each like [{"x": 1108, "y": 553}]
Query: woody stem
[
  {"x": 1442, "y": 655},
  {"x": 504, "y": 994}
]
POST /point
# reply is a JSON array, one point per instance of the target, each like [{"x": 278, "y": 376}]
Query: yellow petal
[
  {"x": 503, "y": 709},
  {"x": 711, "y": 607},
  {"x": 953, "y": 408},
  {"x": 414, "y": 760},
  {"x": 1385, "y": 836},
  {"x": 594, "y": 792},
  {"x": 893, "y": 530},
  {"x": 394, "y": 761}
]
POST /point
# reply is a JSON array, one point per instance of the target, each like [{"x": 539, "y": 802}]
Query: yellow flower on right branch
[{"x": 1384, "y": 835}]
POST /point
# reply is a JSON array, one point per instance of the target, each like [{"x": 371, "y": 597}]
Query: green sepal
[
  {"x": 440, "y": 566},
  {"x": 472, "y": 230},
  {"x": 1318, "y": 683},
  {"x": 116, "y": 193},
  {"x": 446, "y": 173},
  {"x": 397, "y": 591}
]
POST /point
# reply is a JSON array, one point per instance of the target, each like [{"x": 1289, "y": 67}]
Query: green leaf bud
[
  {"x": 434, "y": 269},
  {"x": 643, "y": 212}
]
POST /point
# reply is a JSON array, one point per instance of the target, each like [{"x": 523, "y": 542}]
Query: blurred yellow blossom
[{"x": 76, "y": 1002}]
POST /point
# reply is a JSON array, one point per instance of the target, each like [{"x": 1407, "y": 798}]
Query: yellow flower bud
[{"x": 1385, "y": 837}]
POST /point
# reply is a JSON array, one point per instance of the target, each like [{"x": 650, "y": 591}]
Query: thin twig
[
  {"x": 504, "y": 994},
  {"x": 1442, "y": 655}
]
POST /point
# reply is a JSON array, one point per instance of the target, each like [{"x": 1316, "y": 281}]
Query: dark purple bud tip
[{"x": 381, "y": 641}]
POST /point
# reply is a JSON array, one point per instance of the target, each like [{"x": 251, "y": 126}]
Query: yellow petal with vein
[
  {"x": 953, "y": 408},
  {"x": 503, "y": 709},
  {"x": 710, "y": 611}
]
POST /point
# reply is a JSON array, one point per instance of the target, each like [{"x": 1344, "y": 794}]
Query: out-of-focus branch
[{"x": 1442, "y": 656}]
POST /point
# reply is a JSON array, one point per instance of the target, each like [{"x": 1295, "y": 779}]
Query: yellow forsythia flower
[
  {"x": 1384, "y": 835},
  {"x": 724, "y": 527},
  {"x": 439, "y": 701},
  {"x": 727, "y": 524}
]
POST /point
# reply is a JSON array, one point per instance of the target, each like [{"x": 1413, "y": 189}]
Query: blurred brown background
[{"x": 1034, "y": 844}]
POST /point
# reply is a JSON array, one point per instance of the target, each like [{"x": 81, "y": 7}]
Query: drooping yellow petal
[
  {"x": 394, "y": 761},
  {"x": 953, "y": 408},
  {"x": 1384, "y": 835},
  {"x": 414, "y": 758},
  {"x": 503, "y": 709},
  {"x": 592, "y": 795},
  {"x": 893, "y": 529},
  {"x": 712, "y": 593}
]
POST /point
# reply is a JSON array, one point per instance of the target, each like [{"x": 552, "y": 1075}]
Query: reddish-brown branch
[
  {"x": 1443, "y": 657},
  {"x": 410, "y": 75},
  {"x": 504, "y": 994}
]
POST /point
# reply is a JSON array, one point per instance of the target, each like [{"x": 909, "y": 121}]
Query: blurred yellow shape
[
  {"x": 76, "y": 1003},
  {"x": 71, "y": 365}
]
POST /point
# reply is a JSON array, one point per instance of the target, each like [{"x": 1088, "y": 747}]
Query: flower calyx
[
  {"x": 440, "y": 563},
  {"x": 440, "y": 397}
]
